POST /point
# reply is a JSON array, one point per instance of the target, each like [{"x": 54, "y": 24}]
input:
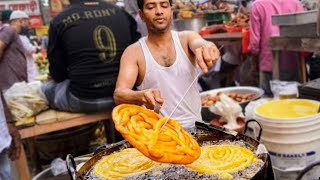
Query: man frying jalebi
[{"x": 163, "y": 66}]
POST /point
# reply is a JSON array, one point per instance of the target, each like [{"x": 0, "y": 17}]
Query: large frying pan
[{"x": 207, "y": 133}]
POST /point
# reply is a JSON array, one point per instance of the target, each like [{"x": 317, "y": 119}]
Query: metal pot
[
  {"x": 47, "y": 173},
  {"x": 208, "y": 133},
  {"x": 193, "y": 24}
]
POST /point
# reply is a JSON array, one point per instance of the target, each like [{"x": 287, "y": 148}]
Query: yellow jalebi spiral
[
  {"x": 141, "y": 128},
  {"x": 223, "y": 160},
  {"x": 126, "y": 163}
]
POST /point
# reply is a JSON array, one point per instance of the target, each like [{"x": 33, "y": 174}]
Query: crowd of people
[{"x": 101, "y": 55}]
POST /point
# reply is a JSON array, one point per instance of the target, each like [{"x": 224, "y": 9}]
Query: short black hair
[{"x": 141, "y": 2}]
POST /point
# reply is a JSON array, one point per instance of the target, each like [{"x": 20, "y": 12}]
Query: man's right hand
[{"x": 151, "y": 97}]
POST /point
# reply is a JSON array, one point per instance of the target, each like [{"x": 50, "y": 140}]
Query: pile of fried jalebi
[
  {"x": 126, "y": 163},
  {"x": 223, "y": 160},
  {"x": 141, "y": 128}
]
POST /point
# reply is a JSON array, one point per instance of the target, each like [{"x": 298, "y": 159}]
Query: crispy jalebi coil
[
  {"x": 126, "y": 163},
  {"x": 141, "y": 127},
  {"x": 223, "y": 160}
]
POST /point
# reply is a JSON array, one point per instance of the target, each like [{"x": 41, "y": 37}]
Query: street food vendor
[{"x": 163, "y": 66}]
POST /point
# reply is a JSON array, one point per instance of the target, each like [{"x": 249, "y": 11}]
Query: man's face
[
  {"x": 157, "y": 14},
  {"x": 16, "y": 24},
  {"x": 25, "y": 22}
]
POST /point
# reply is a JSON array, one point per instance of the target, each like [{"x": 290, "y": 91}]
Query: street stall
[
  {"x": 247, "y": 158},
  {"x": 52, "y": 123},
  {"x": 187, "y": 17},
  {"x": 243, "y": 134},
  {"x": 298, "y": 32}
]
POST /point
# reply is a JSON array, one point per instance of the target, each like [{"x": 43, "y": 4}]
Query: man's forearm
[
  {"x": 199, "y": 43},
  {"x": 129, "y": 96}
]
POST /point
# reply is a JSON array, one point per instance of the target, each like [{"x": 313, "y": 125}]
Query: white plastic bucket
[
  {"x": 293, "y": 143},
  {"x": 293, "y": 173}
]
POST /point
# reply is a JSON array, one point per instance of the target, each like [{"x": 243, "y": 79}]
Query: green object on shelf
[{"x": 217, "y": 17}]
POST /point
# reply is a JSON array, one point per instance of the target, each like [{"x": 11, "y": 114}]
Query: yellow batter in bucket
[{"x": 281, "y": 109}]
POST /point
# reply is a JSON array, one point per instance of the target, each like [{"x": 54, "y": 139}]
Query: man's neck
[{"x": 160, "y": 39}]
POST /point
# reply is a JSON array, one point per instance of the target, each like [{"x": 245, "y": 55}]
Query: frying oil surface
[{"x": 220, "y": 160}]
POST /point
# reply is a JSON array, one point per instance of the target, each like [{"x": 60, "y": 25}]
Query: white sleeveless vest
[{"x": 173, "y": 82}]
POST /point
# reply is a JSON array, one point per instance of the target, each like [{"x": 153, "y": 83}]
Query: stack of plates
[{"x": 310, "y": 90}]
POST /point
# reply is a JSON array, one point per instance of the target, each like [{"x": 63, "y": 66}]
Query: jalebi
[
  {"x": 223, "y": 160},
  {"x": 126, "y": 163},
  {"x": 141, "y": 128}
]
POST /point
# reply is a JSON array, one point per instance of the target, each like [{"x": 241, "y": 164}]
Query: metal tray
[
  {"x": 305, "y": 30},
  {"x": 291, "y": 19},
  {"x": 207, "y": 115}
]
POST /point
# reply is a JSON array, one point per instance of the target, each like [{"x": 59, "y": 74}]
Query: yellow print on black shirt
[
  {"x": 107, "y": 50},
  {"x": 92, "y": 14}
]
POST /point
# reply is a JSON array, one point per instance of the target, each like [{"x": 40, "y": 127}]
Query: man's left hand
[
  {"x": 207, "y": 56},
  {"x": 15, "y": 147}
]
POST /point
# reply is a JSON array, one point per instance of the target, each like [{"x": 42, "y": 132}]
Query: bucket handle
[
  {"x": 307, "y": 169},
  {"x": 71, "y": 166},
  {"x": 246, "y": 128}
]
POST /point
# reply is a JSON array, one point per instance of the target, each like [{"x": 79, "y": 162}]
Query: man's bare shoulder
[
  {"x": 133, "y": 51},
  {"x": 133, "y": 48}
]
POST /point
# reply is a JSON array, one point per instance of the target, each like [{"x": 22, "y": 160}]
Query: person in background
[
  {"x": 29, "y": 48},
  {"x": 13, "y": 64},
  {"x": 261, "y": 30},
  {"x": 86, "y": 41},
  {"x": 164, "y": 66},
  {"x": 132, "y": 8},
  {"x": 310, "y": 4},
  {"x": 9, "y": 140},
  {"x": 44, "y": 42}
]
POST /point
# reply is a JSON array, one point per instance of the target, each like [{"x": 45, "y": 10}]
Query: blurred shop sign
[
  {"x": 57, "y": 6},
  {"x": 31, "y": 7},
  {"x": 35, "y": 21},
  {"x": 42, "y": 31}
]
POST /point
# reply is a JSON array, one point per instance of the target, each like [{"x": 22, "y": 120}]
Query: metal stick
[
  {"x": 175, "y": 108},
  {"x": 184, "y": 95}
]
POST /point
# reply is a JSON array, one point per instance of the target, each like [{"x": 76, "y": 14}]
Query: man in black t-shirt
[{"x": 86, "y": 41}]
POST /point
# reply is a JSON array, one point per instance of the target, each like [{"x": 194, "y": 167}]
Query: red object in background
[
  {"x": 212, "y": 29},
  {"x": 204, "y": 31},
  {"x": 245, "y": 40},
  {"x": 304, "y": 54},
  {"x": 35, "y": 21},
  {"x": 56, "y": 6},
  {"x": 43, "y": 52},
  {"x": 234, "y": 29}
]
